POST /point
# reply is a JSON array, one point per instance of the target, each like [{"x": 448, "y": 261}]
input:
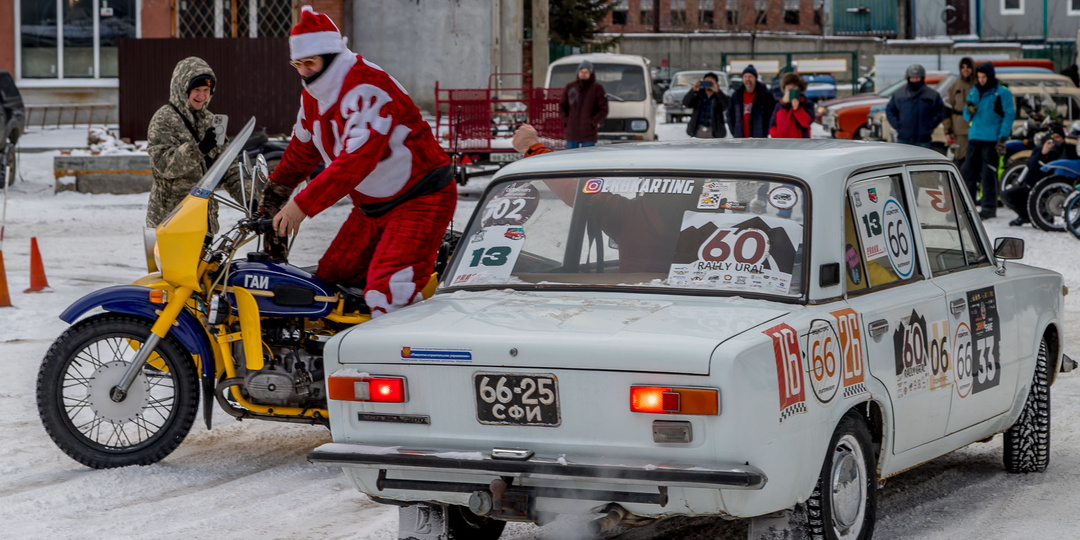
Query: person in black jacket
[
  {"x": 709, "y": 104},
  {"x": 915, "y": 109},
  {"x": 1055, "y": 147},
  {"x": 751, "y": 107}
]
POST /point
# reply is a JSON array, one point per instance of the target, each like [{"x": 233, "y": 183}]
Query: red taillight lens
[
  {"x": 662, "y": 400},
  {"x": 366, "y": 388}
]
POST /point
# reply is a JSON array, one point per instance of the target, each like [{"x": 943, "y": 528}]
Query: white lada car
[{"x": 730, "y": 328}]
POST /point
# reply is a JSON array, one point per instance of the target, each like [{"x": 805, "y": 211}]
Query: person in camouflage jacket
[{"x": 182, "y": 143}]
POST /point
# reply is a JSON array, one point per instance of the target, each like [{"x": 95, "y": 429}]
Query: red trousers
[{"x": 396, "y": 251}]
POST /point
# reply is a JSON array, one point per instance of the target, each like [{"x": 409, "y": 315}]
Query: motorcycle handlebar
[{"x": 261, "y": 224}]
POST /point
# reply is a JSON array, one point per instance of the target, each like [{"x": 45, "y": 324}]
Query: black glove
[
  {"x": 208, "y": 142},
  {"x": 1000, "y": 147},
  {"x": 972, "y": 108},
  {"x": 274, "y": 196}
]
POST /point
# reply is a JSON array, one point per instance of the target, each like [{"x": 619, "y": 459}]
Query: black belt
[{"x": 430, "y": 183}]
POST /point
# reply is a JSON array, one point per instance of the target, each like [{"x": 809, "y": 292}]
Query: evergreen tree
[{"x": 577, "y": 22}]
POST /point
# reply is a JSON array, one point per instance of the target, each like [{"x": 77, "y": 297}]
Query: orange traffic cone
[
  {"x": 38, "y": 283},
  {"x": 5, "y": 298}
]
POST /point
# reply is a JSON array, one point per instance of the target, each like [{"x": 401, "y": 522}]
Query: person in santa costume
[{"x": 361, "y": 123}]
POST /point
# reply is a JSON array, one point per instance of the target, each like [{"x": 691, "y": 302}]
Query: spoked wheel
[
  {"x": 75, "y": 383},
  {"x": 1072, "y": 215},
  {"x": 844, "y": 503},
  {"x": 1047, "y": 203},
  {"x": 1011, "y": 177}
]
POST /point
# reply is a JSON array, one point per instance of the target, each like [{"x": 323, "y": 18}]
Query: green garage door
[{"x": 864, "y": 17}]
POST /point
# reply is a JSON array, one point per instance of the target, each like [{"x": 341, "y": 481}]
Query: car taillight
[
  {"x": 366, "y": 388},
  {"x": 668, "y": 400}
]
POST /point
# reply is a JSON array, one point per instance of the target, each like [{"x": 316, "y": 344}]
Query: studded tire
[
  {"x": 843, "y": 505},
  {"x": 1027, "y": 442},
  {"x": 73, "y": 385}
]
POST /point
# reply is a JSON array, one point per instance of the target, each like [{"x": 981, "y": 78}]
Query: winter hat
[
  {"x": 1057, "y": 129},
  {"x": 750, "y": 69},
  {"x": 314, "y": 35},
  {"x": 202, "y": 80},
  {"x": 585, "y": 64}
]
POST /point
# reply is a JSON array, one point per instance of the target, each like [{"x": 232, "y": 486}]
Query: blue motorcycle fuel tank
[{"x": 294, "y": 289}]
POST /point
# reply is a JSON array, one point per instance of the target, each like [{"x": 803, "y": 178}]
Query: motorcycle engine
[{"x": 292, "y": 373}]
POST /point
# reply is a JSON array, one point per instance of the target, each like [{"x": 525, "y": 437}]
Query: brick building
[{"x": 676, "y": 16}]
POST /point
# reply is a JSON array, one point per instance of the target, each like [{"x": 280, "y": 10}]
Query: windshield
[
  {"x": 725, "y": 234},
  {"x": 624, "y": 81},
  {"x": 687, "y": 78},
  {"x": 213, "y": 176}
]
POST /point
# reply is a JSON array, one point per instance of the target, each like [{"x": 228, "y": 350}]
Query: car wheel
[
  {"x": 1027, "y": 442},
  {"x": 667, "y": 119},
  {"x": 465, "y": 525},
  {"x": 1047, "y": 202},
  {"x": 844, "y": 503}
]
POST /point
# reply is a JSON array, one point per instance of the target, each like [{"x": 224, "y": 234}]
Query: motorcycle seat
[{"x": 354, "y": 299}]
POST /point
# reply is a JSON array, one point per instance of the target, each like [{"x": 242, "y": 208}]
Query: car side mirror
[{"x": 1008, "y": 248}]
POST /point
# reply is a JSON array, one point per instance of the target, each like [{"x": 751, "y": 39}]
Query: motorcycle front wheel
[
  {"x": 73, "y": 393},
  {"x": 1072, "y": 215},
  {"x": 1047, "y": 203}
]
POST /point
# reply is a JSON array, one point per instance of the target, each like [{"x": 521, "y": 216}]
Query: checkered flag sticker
[{"x": 792, "y": 410}]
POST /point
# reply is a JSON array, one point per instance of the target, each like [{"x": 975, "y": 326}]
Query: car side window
[
  {"x": 947, "y": 232},
  {"x": 885, "y": 246}
]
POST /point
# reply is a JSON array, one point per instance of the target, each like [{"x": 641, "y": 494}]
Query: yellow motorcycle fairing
[{"x": 180, "y": 241}]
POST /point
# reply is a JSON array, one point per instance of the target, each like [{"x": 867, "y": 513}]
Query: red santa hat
[{"x": 315, "y": 34}]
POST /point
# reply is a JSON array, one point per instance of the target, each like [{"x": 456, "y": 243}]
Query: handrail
[{"x": 45, "y": 109}]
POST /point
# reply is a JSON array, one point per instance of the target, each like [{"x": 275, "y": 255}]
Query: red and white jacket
[{"x": 361, "y": 123}]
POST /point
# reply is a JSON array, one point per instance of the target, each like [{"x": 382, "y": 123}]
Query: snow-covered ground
[{"x": 252, "y": 480}]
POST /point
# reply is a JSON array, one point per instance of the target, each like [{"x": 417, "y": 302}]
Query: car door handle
[
  {"x": 879, "y": 327},
  {"x": 957, "y": 306}
]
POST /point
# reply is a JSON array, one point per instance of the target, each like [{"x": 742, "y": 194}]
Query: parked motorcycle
[
  {"x": 122, "y": 387},
  {"x": 1051, "y": 196}
]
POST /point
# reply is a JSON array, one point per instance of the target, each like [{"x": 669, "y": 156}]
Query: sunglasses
[{"x": 309, "y": 62}]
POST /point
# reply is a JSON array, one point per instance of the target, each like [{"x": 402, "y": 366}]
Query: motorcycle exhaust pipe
[{"x": 614, "y": 516}]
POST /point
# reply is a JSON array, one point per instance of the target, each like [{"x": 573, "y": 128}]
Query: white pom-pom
[{"x": 307, "y": 8}]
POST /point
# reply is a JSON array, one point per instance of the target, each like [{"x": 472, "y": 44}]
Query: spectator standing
[
  {"x": 751, "y": 107},
  {"x": 956, "y": 128},
  {"x": 991, "y": 113},
  {"x": 915, "y": 109},
  {"x": 709, "y": 104},
  {"x": 1053, "y": 148},
  {"x": 791, "y": 120},
  {"x": 583, "y": 107}
]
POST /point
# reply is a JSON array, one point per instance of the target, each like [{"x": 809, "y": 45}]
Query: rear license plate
[
  {"x": 517, "y": 399},
  {"x": 504, "y": 157}
]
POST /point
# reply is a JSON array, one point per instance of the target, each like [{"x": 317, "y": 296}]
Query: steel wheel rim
[
  {"x": 847, "y": 487},
  {"x": 91, "y": 414},
  {"x": 1053, "y": 199}
]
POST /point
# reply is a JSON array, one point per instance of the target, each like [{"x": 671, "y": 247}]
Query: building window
[
  {"x": 619, "y": 12},
  {"x": 72, "y": 39},
  {"x": 647, "y": 12},
  {"x": 678, "y": 12},
  {"x": 791, "y": 11},
  {"x": 1012, "y": 7},
  {"x": 706, "y": 13},
  {"x": 761, "y": 12},
  {"x": 1074, "y": 7},
  {"x": 733, "y": 12},
  {"x": 214, "y": 18}
]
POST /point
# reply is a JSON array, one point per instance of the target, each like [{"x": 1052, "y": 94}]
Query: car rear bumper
[{"x": 623, "y": 471}]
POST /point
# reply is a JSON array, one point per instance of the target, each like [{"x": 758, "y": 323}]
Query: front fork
[{"x": 161, "y": 327}]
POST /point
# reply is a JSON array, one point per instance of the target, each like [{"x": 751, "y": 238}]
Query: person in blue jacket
[
  {"x": 991, "y": 113},
  {"x": 915, "y": 110}
]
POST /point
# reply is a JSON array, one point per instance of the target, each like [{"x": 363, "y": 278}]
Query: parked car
[
  {"x": 681, "y": 83},
  {"x": 631, "y": 109},
  {"x": 777, "y": 334},
  {"x": 661, "y": 79},
  {"x": 846, "y": 118},
  {"x": 819, "y": 87}
]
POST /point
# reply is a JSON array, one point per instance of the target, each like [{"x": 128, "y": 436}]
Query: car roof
[
  {"x": 606, "y": 58},
  {"x": 1034, "y": 76},
  {"x": 813, "y": 160}
]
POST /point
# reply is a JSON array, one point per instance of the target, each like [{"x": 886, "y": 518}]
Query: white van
[{"x": 631, "y": 109}]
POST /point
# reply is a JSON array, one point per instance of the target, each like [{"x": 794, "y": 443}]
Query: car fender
[{"x": 135, "y": 300}]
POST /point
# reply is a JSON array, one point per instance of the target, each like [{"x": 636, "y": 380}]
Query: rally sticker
[
  {"x": 428, "y": 354},
  {"x": 490, "y": 255},
  {"x": 823, "y": 354},
  {"x": 869, "y": 205},
  {"x": 985, "y": 339},
  {"x": 789, "y": 370},
  {"x": 783, "y": 197},
  {"x": 940, "y": 363},
  {"x": 513, "y": 204},
  {"x": 898, "y": 236},
  {"x": 909, "y": 346},
  {"x": 731, "y": 251},
  {"x": 963, "y": 359},
  {"x": 853, "y": 367},
  {"x": 639, "y": 185}
]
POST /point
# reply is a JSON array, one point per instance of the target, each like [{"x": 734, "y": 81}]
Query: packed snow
[{"x": 252, "y": 478}]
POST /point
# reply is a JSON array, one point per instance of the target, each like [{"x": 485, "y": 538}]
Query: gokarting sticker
[
  {"x": 963, "y": 359},
  {"x": 940, "y": 362},
  {"x": 898, "y": 237},
  {"x": 783, "y": 198},
  {"x": 853, "y": 366},
  {"x": 823, "y": 355},
  {"x": 985, "y": 338},
  {"x": 513, "y": 204},
  {"x": 733, "y": 252},
  {"x": 789, "y": 370},
  {"x": 490, "y": 255},
  {"x": 639, "y": 185},
  {"x": 909, "y": 346}
]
